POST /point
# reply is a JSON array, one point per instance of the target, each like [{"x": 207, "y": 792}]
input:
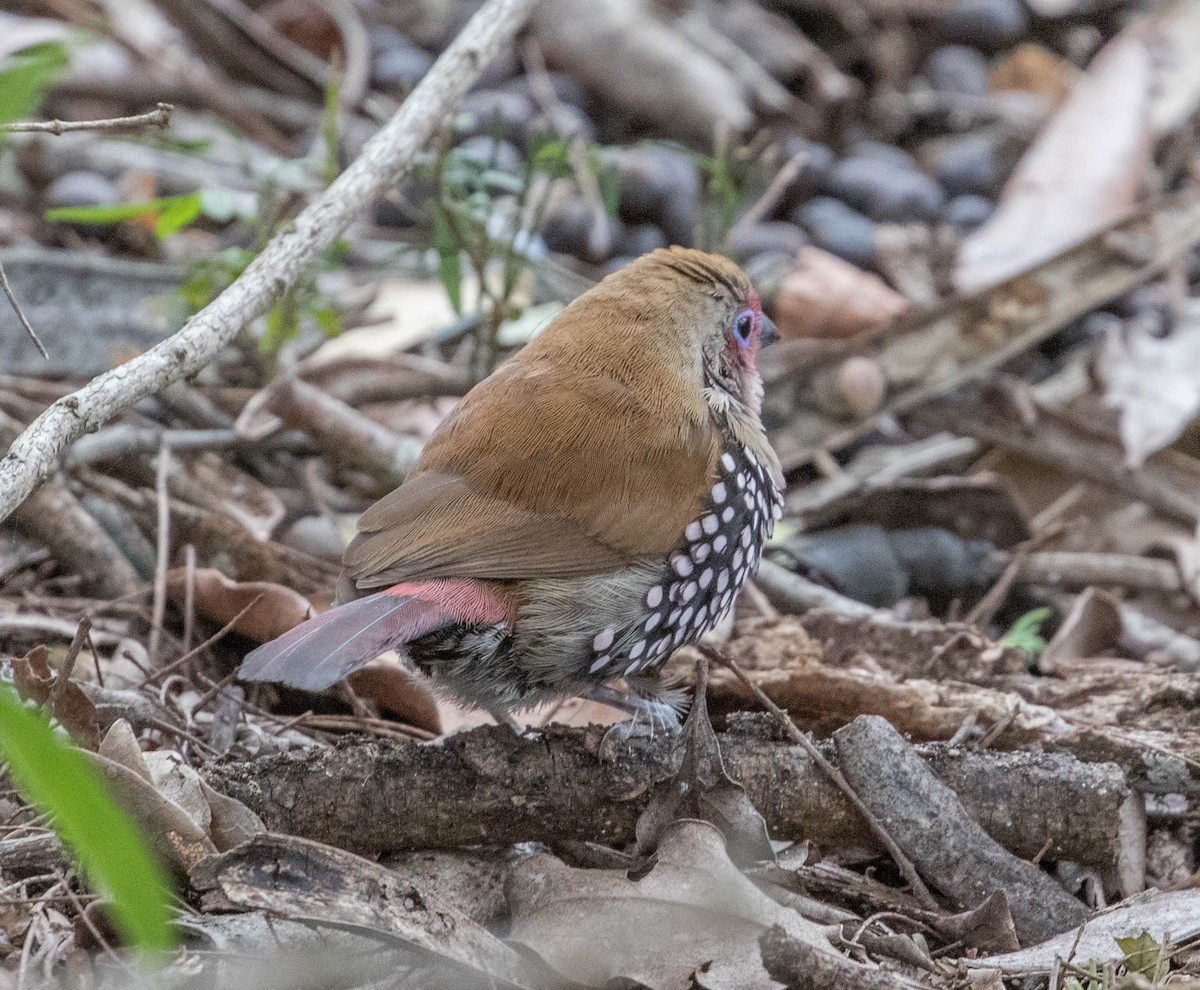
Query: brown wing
[{"x": 541, "y": 474}]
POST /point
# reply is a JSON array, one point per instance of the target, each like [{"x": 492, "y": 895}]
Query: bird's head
[{"x": 685, "y": 317}]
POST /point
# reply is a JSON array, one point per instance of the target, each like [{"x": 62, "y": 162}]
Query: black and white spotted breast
[{"x": 719, "y": 551}]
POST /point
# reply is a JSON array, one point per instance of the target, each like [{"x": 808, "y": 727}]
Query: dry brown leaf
[
  {"x": 73, "y": 709},
  {"x": 692, "y": 908},
  {"x": 1033, "y": 68},
  {"x": 399, "y": 692},
  {"x": 1091, "y": 629},
  {"x": 273, "y": 609},
  {"x": 1085, "y": 170},
  {"x": 824, "y": 296}
]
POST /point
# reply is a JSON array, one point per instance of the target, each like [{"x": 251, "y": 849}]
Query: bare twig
[
  {"x": 159, "y": 117},
  {"x": 12, "y": 301},
  {"x": 382, "y": 162},
  {"x": 162, "y": 559},
  {"x": 915, "y": 883},
  {"x": 64, "y": 675}
]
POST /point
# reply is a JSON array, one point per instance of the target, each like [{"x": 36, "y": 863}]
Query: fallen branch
[
  {"x": 940, "y": 836},
  {"x": 285, "y": 258},
  {"x": 488, "y": 786},
  {"x": 160, "y": 117}
]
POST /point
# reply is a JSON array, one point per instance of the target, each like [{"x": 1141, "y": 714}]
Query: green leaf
[
  {"x": 1026, "y": 632},
  {"x": 1141, "y": 953},
  {"x": 23, "y": 85},
  {"x": 449, "y": 265},
  {"x": 177, "y": 214},
  {"x": 59, "y": 780},
  {"x": 328, "y": 319}
]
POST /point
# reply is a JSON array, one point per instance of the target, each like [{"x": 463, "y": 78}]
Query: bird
[{"x": 591, "y": 506}]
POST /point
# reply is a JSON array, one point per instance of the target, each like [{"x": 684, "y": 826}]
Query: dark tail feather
[{"x": 333, "y": 644}]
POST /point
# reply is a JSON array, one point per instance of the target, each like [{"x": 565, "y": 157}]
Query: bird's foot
[{"x": 651, "y": 717}]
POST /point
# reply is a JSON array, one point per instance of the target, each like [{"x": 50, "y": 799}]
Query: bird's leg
[{"x": 662, "y": 714}]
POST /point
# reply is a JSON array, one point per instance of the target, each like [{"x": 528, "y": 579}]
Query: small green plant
[
  {"x": 170, "y": 214},
  {"x": 1026, "y": 632},
  {"x": 471, "y": 193},
  {"x": 31, "y": 72},
  {"x": 59, "y": 780},
  {"x": 730, "y": 177}
]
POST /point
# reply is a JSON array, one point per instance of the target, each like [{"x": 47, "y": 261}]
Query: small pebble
[
  {"x": 969, "y": 212},
  {"x": 989, "y": 25},
  {"x": 885, "y": 192},
  {"x": 775, "y": 236},
  {"x": 316, "y": 535},
  {"x": 968, "y": 165},
  {"x": 839, "y": 229},
  {"x": 494, "y": 113},
  {"x": 957, "y": 69},
  {"x": 82, "y": 189}
]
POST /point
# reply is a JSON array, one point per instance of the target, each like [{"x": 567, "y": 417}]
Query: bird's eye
[{"x": 743, "y": 326}]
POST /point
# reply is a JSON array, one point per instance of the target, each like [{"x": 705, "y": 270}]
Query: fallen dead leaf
[
  {"x": 34, "y": 682},
  {"x": 692, "y": 908},
  {"x": 1154, "y": 383},
  {"x": 824, "y": 296},
  {"x": 1174, "y": 915},
  {"x": 1033, "y": 68},
  {"x": 271, "y": 608}
]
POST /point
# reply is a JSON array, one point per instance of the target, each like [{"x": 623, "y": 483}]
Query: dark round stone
[
  {"x": 818, "y": 161},
  {"x": 968, "y": 165},
  {"x": 969, "y": 212},
  {"x": 82, "y": 189},
  {"x": 772, "y": 236},
  {"x": 881, "y": 151},
  {"x": 886, "y": 192},
  {"x": 494, "y": 113},
  {"x": 639, "y": 239},
  {"x": 397, "y": 65},
  {"x": 990, "y": 25},
  {"x": 568, "y": 228},
  {"x": 958, "y": 69},
  {"x": 839, "y": 229},
  {"x": 660, "y": 184},
  {"x": 504, "y": 66}
]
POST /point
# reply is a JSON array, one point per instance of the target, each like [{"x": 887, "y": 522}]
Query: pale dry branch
[
  {"x": 159, "y": 117},
  {"x": 383, "y": 160}
]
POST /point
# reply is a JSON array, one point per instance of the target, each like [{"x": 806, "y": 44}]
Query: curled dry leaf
[
  {"x": 1091, "y": 629},
  {"x": 824, "y": 296},
  {"x": 702, "y": 789},
  {"x": 693, "y": 907},
  {"x": 34, "y": 682},
  {"x": 181, "y": 813},
  {"x": 1154, "y": 383},
  {"x": 400, "y": 692},
  {"x": 1173, "y": 916},
  {"x": 271, "y": 609}
]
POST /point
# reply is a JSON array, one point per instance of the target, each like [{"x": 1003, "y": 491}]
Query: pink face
[{"x": 749, "y": 330}]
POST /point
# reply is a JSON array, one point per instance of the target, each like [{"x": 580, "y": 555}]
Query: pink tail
[{"x": 333, "y": 644}]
